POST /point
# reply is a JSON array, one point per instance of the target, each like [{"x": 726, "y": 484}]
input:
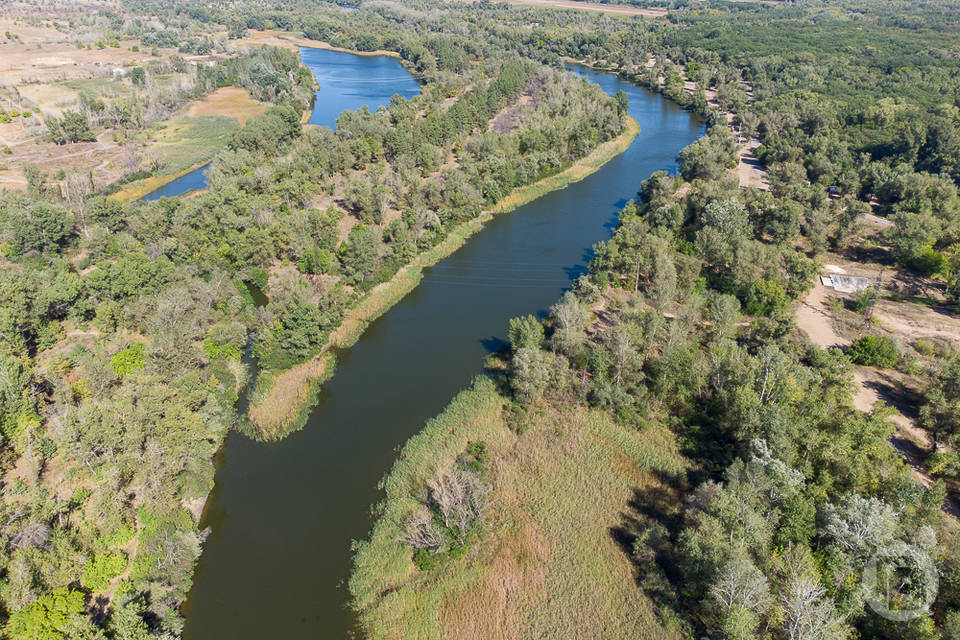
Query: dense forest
[
  {"x": 123, "y": 325},
  {"x": 774, "y": 501},
  {"x": 127, "y": 330}
]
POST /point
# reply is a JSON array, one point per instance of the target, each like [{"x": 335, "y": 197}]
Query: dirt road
[
  {"x": 617, "y": 9},
  {"x": 815, "y": 320}
]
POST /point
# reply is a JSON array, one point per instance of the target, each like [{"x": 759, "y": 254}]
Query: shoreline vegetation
[
  {"x": 234, "y": 103},
  {"x": 281, "y": 401},
  {"x": 136, "y": 191}
]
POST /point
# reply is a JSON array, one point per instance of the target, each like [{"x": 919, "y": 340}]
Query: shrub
[
  {"x": 929, "y": 262},
  {"x": 866, "y": 300},
  {"x": 874, "y": 351},
  {"x": 101, "y": 569},
  {"x": 766, "y": 298},
  {"x": 127, "y": 361},
  {"x": 315, "y": 261}
]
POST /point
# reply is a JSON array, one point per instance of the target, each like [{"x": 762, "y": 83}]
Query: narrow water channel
[
  {"x": 283, "y": 514},
  {"x": 196, "y": 179},
  {"x": 344, "y": 81}
]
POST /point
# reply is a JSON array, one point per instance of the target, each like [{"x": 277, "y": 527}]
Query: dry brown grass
[
  {"x": 546, "y": 564},
  {"x": 291, "y": 392},
  {"x": 493, "y": 609},
  {"x": 233, "y": 102},
  {"x": 615, "y": 9}
]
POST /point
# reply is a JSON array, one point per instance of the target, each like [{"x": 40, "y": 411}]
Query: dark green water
[{"x": 283, "y": 515}]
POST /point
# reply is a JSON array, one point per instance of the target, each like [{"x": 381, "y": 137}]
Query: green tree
[
  {"x": 48, "y": 617},
  {"x": 138, "y": 76},
  {"x": 526, "y": 332}
]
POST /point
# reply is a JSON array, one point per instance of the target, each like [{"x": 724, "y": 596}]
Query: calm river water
[
  {"x": 344, "y": 82},
  {"x": 283, "y": 514}
]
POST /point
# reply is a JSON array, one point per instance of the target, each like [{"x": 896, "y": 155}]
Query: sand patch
[{"x": 233, "y": 102}]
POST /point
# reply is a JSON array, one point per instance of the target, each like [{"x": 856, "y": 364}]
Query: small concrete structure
[{"x": 846, "y": 284}]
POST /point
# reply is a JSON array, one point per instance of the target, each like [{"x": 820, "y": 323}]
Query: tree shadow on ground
[{"x": 652, "y": 520}]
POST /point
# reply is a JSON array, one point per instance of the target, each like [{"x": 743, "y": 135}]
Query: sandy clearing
[
  {"x": 815, "y": 320},
  {"x": 749, "y": 170},
  {"x": 917, "y": 322},
  {"x": 622, "y": 10}
]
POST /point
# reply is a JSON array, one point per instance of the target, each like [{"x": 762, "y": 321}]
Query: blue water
[
  {"x": 347, "y": 81},
  {"x": 196, "y": 179},
  {"x": 282, "y": 515}
]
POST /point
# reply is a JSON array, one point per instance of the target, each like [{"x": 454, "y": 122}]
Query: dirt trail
[
  {"x": 815, "y": 321},
  {"x": 618, "y": 9},
  {"x": 749, "y": 170}
]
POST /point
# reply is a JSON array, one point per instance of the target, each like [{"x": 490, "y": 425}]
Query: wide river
[{"x": 283, "y": 515}]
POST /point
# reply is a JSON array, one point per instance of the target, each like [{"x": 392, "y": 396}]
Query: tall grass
[{"x": 546, "y": 564}]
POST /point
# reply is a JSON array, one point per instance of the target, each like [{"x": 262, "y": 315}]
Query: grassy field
[
  {"x": 232, "y": 102},
  {"x": 183, "y": 143},
  {"x": 287, "y": 412},
  {"x": 192, "y": 140},
  {"x": 547, "y": 564}
]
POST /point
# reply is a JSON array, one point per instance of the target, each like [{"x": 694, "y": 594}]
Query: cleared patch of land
[
  {"x": 822, "y": 323},
  {"x": 232, "y": 102},
  {"x": 616, "y": 9},
  {"x": 547, "y": 563}
]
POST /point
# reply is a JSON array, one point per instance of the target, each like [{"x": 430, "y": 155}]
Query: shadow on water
[{"x": 284, "y": 514}]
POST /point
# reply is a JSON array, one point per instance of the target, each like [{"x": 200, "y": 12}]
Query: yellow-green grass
[
  {"x": 100, "y": 87},
  {"x": 382, "y": 297},
  {"x": 233, "y": 102},
  {"x": 545, "y": 565},
  {"x": 184, "y": 143},
  {"x": 292, "y": 393}
]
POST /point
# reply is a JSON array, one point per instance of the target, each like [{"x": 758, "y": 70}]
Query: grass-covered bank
[
  {"x": 547, "y": 562},
  {"x": 278, "y": 409},
  {"x": 190, "y": 141}
]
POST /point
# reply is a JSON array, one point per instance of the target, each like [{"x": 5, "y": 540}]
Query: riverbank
[
  {"x": 545, "y": 551},
  {"x": 194, "y": 137},
  {"x": 282, "y": 408}
]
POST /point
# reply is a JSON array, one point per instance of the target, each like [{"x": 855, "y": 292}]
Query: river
[
  {"x": 283, "y": 514},
  {"x": 344, "y": 81}
]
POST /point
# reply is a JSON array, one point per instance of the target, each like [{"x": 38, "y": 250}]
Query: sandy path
[
  {"x": 617, "y": 9},
  {"x": 749, "y": 170},
  {"x": 814, "y": 319}
]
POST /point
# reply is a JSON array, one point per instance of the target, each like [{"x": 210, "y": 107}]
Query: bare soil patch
[
  {"x": 907, "y": 322},
  {"x": 615, "y": 9},
  {"x": 233, "y": 102}
]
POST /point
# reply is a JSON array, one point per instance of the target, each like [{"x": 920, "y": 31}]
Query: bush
[
  {"x": 127, "y": 361},
  {"x": 766, "y": 298},
  {"x": 866, "y": 300},
  {"x": 929, "y": 262},
  {"x": 315, "y": 261},
  {"x": 874, "y": 351},
  {"x": 101, "y": 569}
]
